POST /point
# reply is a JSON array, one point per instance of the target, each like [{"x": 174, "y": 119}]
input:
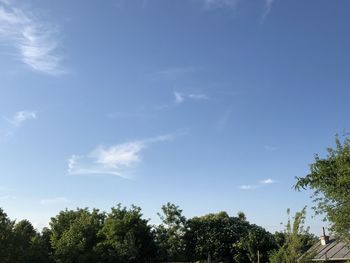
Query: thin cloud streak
[
  {"x": 113, "y": 160},
  {"x": 224, "y": 120},
  {"x": 22, "y": 116},
  {"x": 247, "y": 187},
  {"x": 34, "y": 40},
  {"x": 181, "y": 97},
  {"x": 267, "y": 10},
  {"x": 261, "y": 183}
]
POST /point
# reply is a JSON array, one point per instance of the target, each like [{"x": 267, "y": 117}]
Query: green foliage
[
  {"x": 74, "y": 235},
  {"x": 40, "y": 249},
  {"x": 169, "y": 234},
  {"x": 296, "y": 241},
  {"x": 213, "y": 235},
  {"x": 227, "y": 239},
  {"x": 6, "y": 237},
  {"x": 257, "y": 239},
  {"x": 123, "y": 236},
  {"x": 280, "y": 238},
  {"x": 126, "y": 237},
  {"x": 241, "y": 216},
  {"x": 329, "y": 178},
  {"x": 20, "y": 243},
  {"x": 23, "y": 237}
]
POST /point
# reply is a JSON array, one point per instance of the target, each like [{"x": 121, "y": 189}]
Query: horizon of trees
[{"x": 123, "y": 235}]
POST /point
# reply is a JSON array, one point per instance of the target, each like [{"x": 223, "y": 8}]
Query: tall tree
[
  {"x": 6, "y": 237},
  {"x": 23, "y": 234},
  {"x": 170, "y": 233},
  {"x": 41, "y": 251},
  {"x": 329, "y": 178},
  {"x": 74, "y": 235},
  {"x": 256, "y": 244},
  {"x": 126, "y": 237},
  {"x": 215, "y": 236}
]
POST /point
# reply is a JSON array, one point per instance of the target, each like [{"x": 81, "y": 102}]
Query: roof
[{"x": 335, "y": 250}]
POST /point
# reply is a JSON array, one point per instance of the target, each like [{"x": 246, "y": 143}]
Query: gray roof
[{"x": 334, "y": 251}]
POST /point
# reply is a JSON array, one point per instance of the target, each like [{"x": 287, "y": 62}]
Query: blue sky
[{"x": 210, "y": 104}]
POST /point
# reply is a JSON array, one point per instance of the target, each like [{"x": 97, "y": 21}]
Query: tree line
[{"x": 123, "y": 235}]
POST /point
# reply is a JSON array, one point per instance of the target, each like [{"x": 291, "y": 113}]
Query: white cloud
[
  {"x": 267, "y": 181},
  {"x": 255, "y": 186},
  {"x": 247, "y": 187},
  {"x": 267, "y": 9},
  {"x": 120, "y": 155},
  {"x": 34, "y": 40},
  {"x": 180, "y": 97},
  {"x": 112, "y": 160},
  {"x": 55, "y": 201},
  {"x": 22, "y": 116}
]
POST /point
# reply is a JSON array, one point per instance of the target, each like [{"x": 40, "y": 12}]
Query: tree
[
  {"x": 329, "y": 178},
  {"x": 126, "y": 237},
  {"x": 169, "y": 234},
  {"x": 40, "y": 251},
  {"x": 257, "y": 239},
  {"x": 241, "y": 216},
  {"x": 74, "y": 235},
  {"x": 23, "y": 234},
  {"x": 214, "y": 236},
  {"x": 6, "y": 237},
  {"x": 19, "y": 242},
  {"x": 297, "y": 241}
]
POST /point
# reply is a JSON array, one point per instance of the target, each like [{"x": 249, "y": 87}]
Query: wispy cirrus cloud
[
  {"x": 223, "y": 120},
  {"x": 267, "y": 9},
  {"x": 55, "y": 201},
  {"x": 34, "y": 40},
  {"x": 112, "y": 160},
  {"x": 181, "y": 97},
  {"x": 22, "y": 116},
  {"x": 15, "y": 122}
]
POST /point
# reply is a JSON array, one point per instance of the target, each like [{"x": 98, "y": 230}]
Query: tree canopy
[
  {"x": 329, "y": 178},
  {"x": 124, "y": 236}
]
